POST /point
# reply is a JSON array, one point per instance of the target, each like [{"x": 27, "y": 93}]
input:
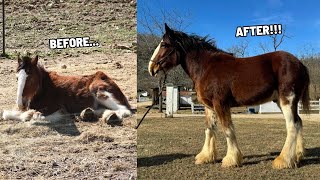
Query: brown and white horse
[
  {"x": 223, "y": 81},
  {"x": 44, "y": 94}
]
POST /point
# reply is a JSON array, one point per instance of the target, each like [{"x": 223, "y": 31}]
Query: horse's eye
[{"x": 163, "y": 45}]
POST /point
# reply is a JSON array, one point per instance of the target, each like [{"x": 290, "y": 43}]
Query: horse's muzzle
[
  {"x": 153, "y": 71},
  {"x": 24, "y": 106}
]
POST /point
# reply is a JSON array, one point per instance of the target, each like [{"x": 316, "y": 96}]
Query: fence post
[
  {"x": 3, "y": 30},
  {"x": 169, "y": 100}
]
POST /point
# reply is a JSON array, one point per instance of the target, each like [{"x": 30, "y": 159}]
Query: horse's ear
[
  {"x": 166, "y": 27},
  {"x": 168, "y": 30},
  {"x": 34, "y": 61},
  {"x": 19, "y": 59}
]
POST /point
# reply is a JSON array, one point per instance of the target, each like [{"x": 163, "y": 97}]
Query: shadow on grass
[
  {"x": 65, "y": 127},
  {"x": 160, "y": 159},
  {"x": 312, "y": 156},
  {"x": 260, "y": 157}
]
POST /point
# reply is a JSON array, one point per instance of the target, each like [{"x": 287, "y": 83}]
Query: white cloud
[{"x": 282, "y": 18}]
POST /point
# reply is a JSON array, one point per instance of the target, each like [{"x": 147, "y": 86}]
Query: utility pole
[{"x": 3, "y": 31}]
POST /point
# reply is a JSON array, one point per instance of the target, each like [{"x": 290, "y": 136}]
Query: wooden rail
[{"x": 314, "y": 107}]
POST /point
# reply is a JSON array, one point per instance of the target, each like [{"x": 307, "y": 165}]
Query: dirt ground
[
  {"x": 167, "y": 147},
  {"x": 70, "y": 149}
]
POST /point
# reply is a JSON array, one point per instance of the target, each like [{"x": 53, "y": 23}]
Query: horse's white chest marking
[{"x": 22, "y": 77}]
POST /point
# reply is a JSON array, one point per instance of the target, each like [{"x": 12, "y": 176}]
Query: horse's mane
[{"x": 195, "y": 42}]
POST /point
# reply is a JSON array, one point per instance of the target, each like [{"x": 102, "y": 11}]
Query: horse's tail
[{"x": 305, "y": 94}]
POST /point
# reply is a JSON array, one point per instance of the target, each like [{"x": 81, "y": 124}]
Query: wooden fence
[{"x": 314, "y": 107}]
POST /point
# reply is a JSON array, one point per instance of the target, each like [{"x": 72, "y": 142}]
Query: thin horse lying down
[
  {"x": 46, "y": 95},
  {"x": 223, "y": 81}
]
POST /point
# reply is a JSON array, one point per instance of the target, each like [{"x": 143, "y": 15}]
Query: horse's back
[{"x": 254, "y": 80}]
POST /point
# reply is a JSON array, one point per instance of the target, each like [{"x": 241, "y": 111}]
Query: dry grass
[
  {"x": 167, "y": 148},
  {"x": 69, "y": 149},
  {"x": 30, "y": 24}
]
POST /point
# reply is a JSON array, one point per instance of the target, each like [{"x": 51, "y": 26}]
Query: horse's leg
[
  {"x": 288, "y": 156},
  {"x": 300, "y": 145},
  {"x": 88, "y": 115},
  {"x": 300, "y": 151},
  {"x": 234, "y": 155},
  {"x": 106, "y": 99},
  {"x": 208, "y": 152},
  {"x": 24, "y": 116}
]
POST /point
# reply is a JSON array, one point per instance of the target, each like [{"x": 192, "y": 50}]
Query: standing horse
[
  {"x": 45, "y": 93},
  {"x": 223, "y": 81}
]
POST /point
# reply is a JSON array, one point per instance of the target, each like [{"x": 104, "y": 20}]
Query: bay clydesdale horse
[
  {"x": 46, "y": 95},
  {"x": 223, "y": 81}
]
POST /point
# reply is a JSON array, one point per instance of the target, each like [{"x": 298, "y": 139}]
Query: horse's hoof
[
  {"x": 229, "y": 161},
  {"x": 88, "y": 115},
  {"x": 37, "y": 116},
  {"x": 300, "y": 156},
  {"x": 113, "y": 119},
  {"x": 281, "y": 163},
  {"x": 27, "y": 115},
  {"x": 203, "y": 158}
]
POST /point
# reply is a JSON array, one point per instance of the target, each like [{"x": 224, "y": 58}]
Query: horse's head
[
  {"x": 166, "y": 55},
  {"x": 28, "y": 76}
]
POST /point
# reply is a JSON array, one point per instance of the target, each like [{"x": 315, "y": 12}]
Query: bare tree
[
  {"x": 152, "y": 28},
  {"x": 311, "y": 58},
  {"x": 240, "y": 49},
  {"x": 153, "y": 23},
  {"x": 264, "y": 47},
  {"x": 277, "y": 39}
]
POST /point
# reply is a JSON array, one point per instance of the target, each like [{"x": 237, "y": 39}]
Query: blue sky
[{"x": 219, "y": 20}]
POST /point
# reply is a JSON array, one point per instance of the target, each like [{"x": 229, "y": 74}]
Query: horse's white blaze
[
  {"x": 289, "y": 148},
  {"x": 111, "y": 102},
  {"x": 156, "y": 51},
  {"x": 22, "y": 77}
]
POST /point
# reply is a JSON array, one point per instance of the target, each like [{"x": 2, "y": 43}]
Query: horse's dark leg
[
  {"x": 300, "y": 151},
  {"x": 234, "y": 156},
  {"x": 292, "y": 150},
  {"x": 208, "y": 153}
]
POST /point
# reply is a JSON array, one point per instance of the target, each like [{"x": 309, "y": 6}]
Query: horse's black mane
[{"x": 195, "y": 42}]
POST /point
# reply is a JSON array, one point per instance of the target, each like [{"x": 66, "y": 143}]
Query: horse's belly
[
  {"x": 256, "y": 99},
  {"x": 77, "y": 104}
]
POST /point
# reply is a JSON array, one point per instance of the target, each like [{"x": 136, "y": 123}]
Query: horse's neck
[
  {"x": 193, "y": 64},
  {"x": 45, "y": 84}
]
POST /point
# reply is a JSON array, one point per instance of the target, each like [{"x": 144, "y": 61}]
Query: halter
[
  {"x": 161, "y": 61},
  {"x": 164, "y": 58}
]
